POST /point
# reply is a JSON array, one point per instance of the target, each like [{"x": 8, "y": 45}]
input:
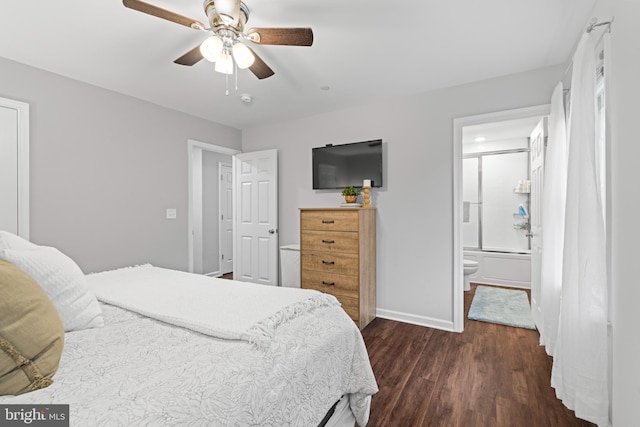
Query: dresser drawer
[
  {"x": 329, "y": 220},
  {"x": 334, "y": 284},
  {"x": 329, "y": 241},
  {"x": 350, "y": 305},
  {"x": 343, "y": 263},
  {"x": 348, "y": 300}
]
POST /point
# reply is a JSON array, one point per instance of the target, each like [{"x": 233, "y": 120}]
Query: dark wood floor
[{"x": 489, "y": 375}]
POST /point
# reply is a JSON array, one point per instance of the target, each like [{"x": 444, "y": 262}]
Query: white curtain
[
  {"x": 579, "y": 372},
  {"x": 553, "y": 214}
]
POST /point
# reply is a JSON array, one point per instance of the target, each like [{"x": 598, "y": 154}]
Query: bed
[{"x": 154, "y": 357}]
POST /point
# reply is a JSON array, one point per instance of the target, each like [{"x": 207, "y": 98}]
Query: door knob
[{"x": 272, "y": 231}]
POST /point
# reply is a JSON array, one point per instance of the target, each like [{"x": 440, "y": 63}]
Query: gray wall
[
  {"x": 414, "y": 218},
  {"x": 104, "y": 169}
]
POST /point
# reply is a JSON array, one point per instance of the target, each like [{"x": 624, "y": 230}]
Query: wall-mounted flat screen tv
[{"x": 344, "y": 165}]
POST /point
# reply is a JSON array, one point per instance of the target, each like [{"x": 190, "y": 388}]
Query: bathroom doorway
[
  {"x": 493, "y": 226},
  {"x": 497, "y": 199}
]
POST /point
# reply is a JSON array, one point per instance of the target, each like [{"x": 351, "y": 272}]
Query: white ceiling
[{"x": 365, "y": 51}]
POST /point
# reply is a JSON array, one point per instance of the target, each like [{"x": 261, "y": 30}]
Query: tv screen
[{"x": 339, "y": 166}]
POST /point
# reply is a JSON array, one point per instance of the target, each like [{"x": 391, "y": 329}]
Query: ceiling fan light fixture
[
  {"x": 224, "y": 64},
  {"x": 228, "y": 10},
  {"x": 226, "y": 21},
  {"x": 212, "y": 48},
  {"x": 243, "y": 55}
]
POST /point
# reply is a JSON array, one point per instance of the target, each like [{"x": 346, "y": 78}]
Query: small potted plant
[{"x": 350, "y": 194}]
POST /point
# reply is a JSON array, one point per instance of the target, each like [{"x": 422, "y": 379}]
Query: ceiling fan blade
[
  {"x": 282, "y": 36},
  {"x": 259, "y": 68},
  {"x": 159, "y": 12},
  {"x": 191, "y": 57}
]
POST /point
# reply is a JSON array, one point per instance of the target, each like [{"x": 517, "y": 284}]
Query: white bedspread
[
  {"x": 137, "y": 371},
  {"x": 221, "y": 308}
]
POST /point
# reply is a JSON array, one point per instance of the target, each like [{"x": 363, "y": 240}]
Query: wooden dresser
[{"x": 338, "y": 256}]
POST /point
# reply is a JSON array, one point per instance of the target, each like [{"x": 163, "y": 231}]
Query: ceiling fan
[{"x": 227, "y": 43}]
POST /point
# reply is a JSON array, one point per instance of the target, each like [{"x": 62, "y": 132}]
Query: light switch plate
[{"x": 172, "y": 214}]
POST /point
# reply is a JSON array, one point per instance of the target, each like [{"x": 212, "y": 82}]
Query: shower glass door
[
  {"x": 503, "y": 223},
  {"x": 495, "y": 207}
]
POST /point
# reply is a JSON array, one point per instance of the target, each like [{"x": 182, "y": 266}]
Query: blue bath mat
[{"x": 503, "y": 306}]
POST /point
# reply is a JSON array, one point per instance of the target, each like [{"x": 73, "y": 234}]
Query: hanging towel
[{"x": 466, "y": 207}]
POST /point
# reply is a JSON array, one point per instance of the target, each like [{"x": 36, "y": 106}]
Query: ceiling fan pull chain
[{"x": 226, "y": 80}]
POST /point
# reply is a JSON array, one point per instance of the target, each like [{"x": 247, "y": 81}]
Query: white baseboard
[{"x": 415, "y": 320}]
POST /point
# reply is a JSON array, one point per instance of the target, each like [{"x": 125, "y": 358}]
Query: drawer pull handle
[
  {"x": 328, "y": 283},
  {"x": 328, "y": 262},
  {"x": 328, "y": 221},
  {"x": 328, "y": 241}
]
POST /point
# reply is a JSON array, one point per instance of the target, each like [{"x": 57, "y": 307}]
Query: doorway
[
  {"x": 460, "y": 210},
  {"x": 206, "y": 246},
  {"x": 14, "y": 167},
  {"x": 253, "y": 210}
]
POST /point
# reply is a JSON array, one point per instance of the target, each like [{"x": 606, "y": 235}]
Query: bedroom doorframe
[
  {"x": 21, "y": 153},
  {"x": 194, "y": 156},
  {"x": 458, "y": 125}
]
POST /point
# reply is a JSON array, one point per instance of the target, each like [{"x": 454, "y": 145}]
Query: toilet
[{"x": 470, "y": 267}]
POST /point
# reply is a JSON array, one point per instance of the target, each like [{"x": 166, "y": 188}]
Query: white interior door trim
[
  {"x": 458, "y": 125},
  {"x": 195, "y": 151},
  {"x": 23, "y": 163}
]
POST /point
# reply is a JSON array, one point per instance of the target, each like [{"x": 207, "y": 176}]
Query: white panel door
[
  {"x": 226, "y": 218},
  {"x": 9, "y": 169},
  {"x": 256, "y": 216},
  {"x": 537, "y": 144}
]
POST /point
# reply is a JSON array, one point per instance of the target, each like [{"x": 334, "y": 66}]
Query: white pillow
[
  {"x": 63, "y": 282},
  {"x": 11, "y": 241}
]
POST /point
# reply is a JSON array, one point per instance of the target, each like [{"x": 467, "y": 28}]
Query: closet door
[{"x": 14, "y": 167}]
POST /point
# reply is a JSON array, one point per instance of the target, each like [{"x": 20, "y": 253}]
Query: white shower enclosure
[{"x": 496, "y": 201}]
